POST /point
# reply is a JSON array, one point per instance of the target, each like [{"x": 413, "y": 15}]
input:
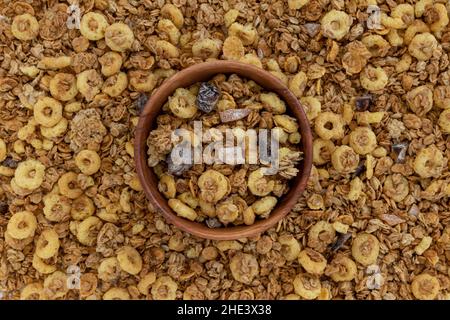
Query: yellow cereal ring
[
  {"x": 146, "y": 282},
  {"x": 88, "y": 162},
  {"x": 142, "y": 80},
  {"x": 342, "y": 268},
  {"x": 55, "y": 285},
  {"x": 429, "y": 162},
  {"x": 63, "y": 86},
  {"x": 82, "y": 208},
  {"x": 109, "y": 269},
  {"x": 365, "y": 248},
  {"x": 227, "y": 212},
  {"x": 213, "y": 186},
  {"x": 25, "y": 27},
  {"x": 32, "y": 291},
  {"x": 320, "y": 235},
  {"x": 444, "y": 121},
  {"x": 336, "y": 24},
  {"x": 22, "y": 225},
  {"x": 116, "y": 294},
  {"x": 344, "y": 159},
  {"x": 425, "y": 287},
  {"x": 115, "y": 84},
  {"x": 93, "y": 25},
  {"x": 56, "y": 131},
  {"x": 373, "y": 79},
  {"x": 307, "y": 286},
  {"x": 119, "y": 37},
  {"x": 322, "y": 150},
  {"x": 47, "y": 111},
  {"x": 68, "y": 183},
  {"x": 89, "y": 83},
  {"x": 396, "y": 187},
  {"x": 129, "y": 260},
  {"x": 189, "y": 199},
  {"x": 260, "y": 184},
  {"x": 41, "y": 266},
  {"x": 363, "y": 140},
  {"x": 290, "y": 247},
  {"x": 88, "y": 230},
  {"x": 329, "y": 125},
  {"x": 111, "y": 63},
  {"x": 56, "y": 207},
  {"x": 422, "y": 46},
  {"x": 47, "y": 245},
  {"x": 244, "y": 267},
  {"x": 420, "y": 100},
  {"x": 312, "y": 261},
  {"x": 164, "y": 288},
  {"x": 183, "y": 103}
]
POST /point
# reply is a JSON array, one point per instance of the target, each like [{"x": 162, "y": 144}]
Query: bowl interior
[{"x": 202, "y": 72}]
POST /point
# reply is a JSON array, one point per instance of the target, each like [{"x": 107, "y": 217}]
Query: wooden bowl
[{"x": 203, "y": 72}]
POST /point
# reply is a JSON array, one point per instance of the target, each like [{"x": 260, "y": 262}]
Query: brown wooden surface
[{"x": 202, "y": 72}]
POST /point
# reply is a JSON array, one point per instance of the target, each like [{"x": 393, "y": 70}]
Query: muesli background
[{"x": 393, "y": 80}]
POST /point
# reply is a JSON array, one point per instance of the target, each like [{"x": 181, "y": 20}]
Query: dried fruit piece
[
  {"x": 93, "y": 25},
  {"x": 363, "y": 140},
  {"x": 425, "y": 287},
  {"x": 207, "y": 97},
  {"x": 365, "y": 248},
  {"x": 119, "y": 37},
  {"x": 213, "y": 186},
  {"x": 183, "y": 103},
  {"x": 129, "y": 260},
  {"x": 233, "y": 115}
]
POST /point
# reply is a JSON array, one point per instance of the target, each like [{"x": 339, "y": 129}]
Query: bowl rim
[{"x": 202, "y": 72}]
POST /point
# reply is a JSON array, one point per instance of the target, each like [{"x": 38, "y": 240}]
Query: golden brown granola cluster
[{"x": 373, "y": 222}]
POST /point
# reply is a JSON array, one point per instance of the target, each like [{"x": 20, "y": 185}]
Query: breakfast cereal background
[{"x": 373, "y": 222}]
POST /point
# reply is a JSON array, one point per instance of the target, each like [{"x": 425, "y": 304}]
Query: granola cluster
[
  {"x": 373, "y": 222},
  {"x": 228, "y": 183}
]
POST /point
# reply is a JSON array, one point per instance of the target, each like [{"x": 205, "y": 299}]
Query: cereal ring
[
  {"x": 321, "y": 235},
  {"x": 213, "y": 186},
  {"x": 396, "y": 187},
  {"x": 290, "y": 247},
  {"x": 109, "y": 269},
  {"x": 344, "y": 159},
  {"x": 246, "y": 33},
  {"x": 32, "y": 291},
  {"x": 422, "y": 46},
  {"x": 182, "y": 210},
  {"x": 63, "y": 87},
  {"x": 244, "y": 267},
  {"x": 341, "y": 269},
  {"x": 22, "y": 225},
  {"x": 56, "y": 207},
  {"x": 47, "y": 245},
  {"x": 88, "y": 230},
  {"x": 425, "y": 287},
  {"x": 183, "y": 103},
  {"x": 174, "y": 14},
  {"x": 47, "y": 111},
  {"x": 146, "y": 282},
  {"x": 119, "y": 37},
  {"x": 3, "y": 151},
  {"x": 89, "y": 83},
  {"x": 365, "y": 249},
  {"x": 444, "y": 121},
  {"x": 312, "y": 107},
  {"x": 93, "y": 26},
  {"x": 129, "y": 260},
  {"x": 142, "y": 81},
  {"x": 322, "y": 150},
  {"x": 88, "y": 162},
  {"x": 403, "y": 12},
  {"x": 429, "y": 162},
  {"x": 373, "y": 79},
  {"x": 56, "y": 131},
  {"x": 362, "y": 140},
  {"x": 312, "y": 261},
  {"x": 41, "y": 266},
  {"x": 164, "y": 288},
  {"x": 115, "y": 84},
  {"x": 377, "y": 46},
  {"x": 259, "y": 184},
  {"x": 440, "y": 17},
  {"x": 307, "y": 286},
  {"x": 29, "y": 174},
  {"x": 25, "y": 27},
  {"x": 418, "y": 26},
  {"x": 55, "y": 285},
  {"x": 233, "y": 49},
  {"x": 116, "y": 294},
  {"x": 82, "y": 208},
  {"x": 329, "y": 126},
  {"x": 111, "y": 63},
  {"x": 336, "y": 24},
  {"x": 68, "y": 183}
]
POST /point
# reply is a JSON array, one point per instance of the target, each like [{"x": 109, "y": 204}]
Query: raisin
[
  {"x": 3, "y": 207},
  {"x": 10, "y": 163},
  {"x": 208, "y": 96},
  {"x": 363, "y": 103},
  {"x": 175, "y": 168},
  {"x": 141, "y": 101}
]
